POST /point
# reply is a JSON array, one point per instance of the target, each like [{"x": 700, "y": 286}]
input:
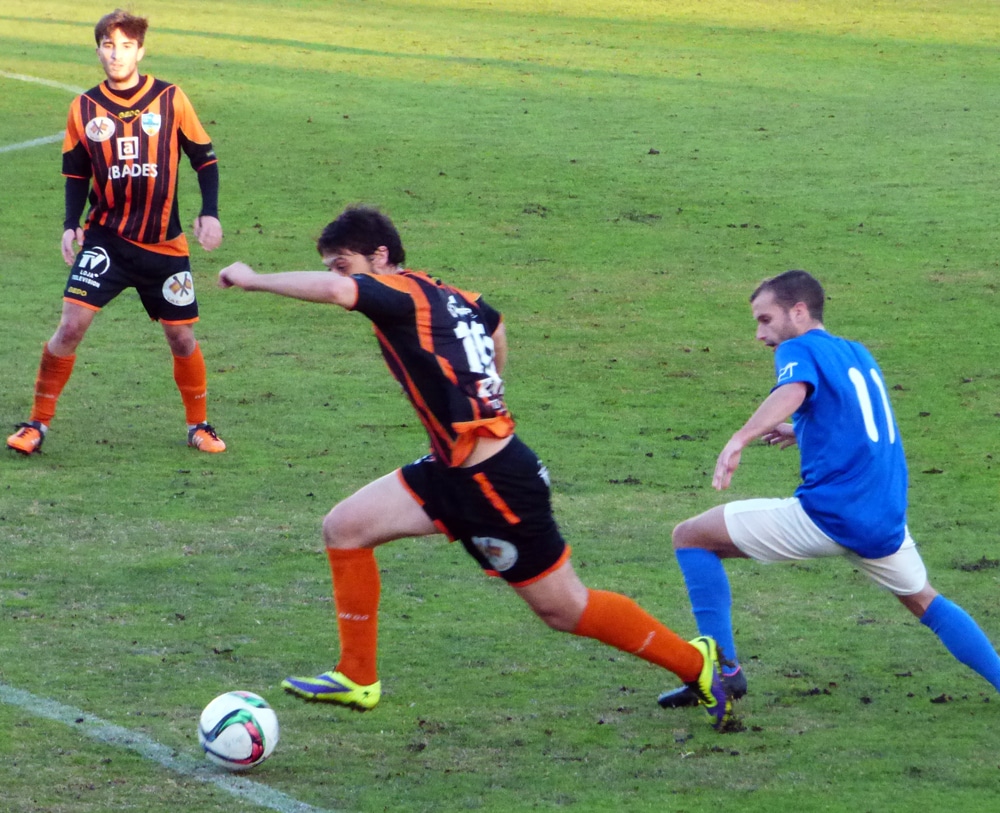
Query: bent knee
[
  {"x": 339, "y": 531},
  {"x": 560, "y": 620},
  {"x": 683, "y": 535},
  {"x": 68, "y": 336},
  {"x": 917, "y": 603}
]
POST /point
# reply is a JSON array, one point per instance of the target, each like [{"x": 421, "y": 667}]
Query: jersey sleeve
[
  {"x": 793, "y": 362},
  {"x": 76, "y": 201},
  {"x": 191, "y": 135},
  {"x": 75, "y": 158},
  {"x": 381, "y": 298},
  {"x": 491, "y": 317}
]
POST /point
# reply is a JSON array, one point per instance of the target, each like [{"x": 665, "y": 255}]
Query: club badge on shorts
[
  {"x": 179, "y": 289},
  {"x": 498, "y": 552}
]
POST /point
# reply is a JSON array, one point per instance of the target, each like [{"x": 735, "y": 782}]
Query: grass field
[{"x": 617, "y": 178}]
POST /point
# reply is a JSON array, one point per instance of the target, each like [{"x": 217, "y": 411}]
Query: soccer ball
[{"x": 238, "y": 730}]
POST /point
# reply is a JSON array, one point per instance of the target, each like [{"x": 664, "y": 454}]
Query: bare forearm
[
  {"x": 311, "y": 286},
  {"x": 777, "y": 408}
]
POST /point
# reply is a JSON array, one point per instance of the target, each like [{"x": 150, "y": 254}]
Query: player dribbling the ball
[{"x": 480, "y": 483}]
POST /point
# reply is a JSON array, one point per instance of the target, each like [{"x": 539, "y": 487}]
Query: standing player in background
[
  {"x": 480, "y": 484},
  {"x": 123, "y": 143},
  {"x": 852, "y": 499}
]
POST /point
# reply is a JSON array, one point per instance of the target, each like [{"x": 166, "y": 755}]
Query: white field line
[
  {"x": 35, "y": 142},
  {"x": 39, "y": 81},
  {"x": 97, "y": 729}
]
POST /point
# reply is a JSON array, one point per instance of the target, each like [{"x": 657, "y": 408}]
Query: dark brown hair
[
  {"x": 129, "y": 24},
  {"x": 793, "y": 287},
  {"x": 362, "y": 229}
]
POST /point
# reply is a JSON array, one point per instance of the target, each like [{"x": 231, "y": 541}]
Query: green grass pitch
[{"x": 617, "y": 178}]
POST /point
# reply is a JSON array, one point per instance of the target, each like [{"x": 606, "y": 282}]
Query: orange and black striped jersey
[
  {"x": 130, "y": 147},
  {"x": 437, "y": 341}
]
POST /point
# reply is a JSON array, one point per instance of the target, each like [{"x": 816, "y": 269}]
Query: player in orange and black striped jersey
[
  {"x": 121, "y": 152},
  {"x": 480, "y": 484},
  {"x": 126, "y": 145}
]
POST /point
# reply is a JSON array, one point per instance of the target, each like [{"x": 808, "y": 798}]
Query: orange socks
[
  {"x": 356, "y": 591},
  {"x": 53, "y": 373},
  {"x": 192, "y": 381},
  {"x": 618, "y": 621},
  {"x": 608, "y": 617}
]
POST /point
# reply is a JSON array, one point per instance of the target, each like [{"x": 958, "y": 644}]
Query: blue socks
[
  {"x": 963, "y": 638},
  {"x": 711, "y": 599},
  {"x": 711, "y": 603}
]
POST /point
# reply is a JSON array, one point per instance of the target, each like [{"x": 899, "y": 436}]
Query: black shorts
[
  {"x": 500, "y": 510},
  {"x": 107, "y": 265}
]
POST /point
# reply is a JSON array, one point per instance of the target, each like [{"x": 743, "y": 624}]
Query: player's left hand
[
  {"x": 208, "y": 230},
  {"x": 783, "y": 436}
]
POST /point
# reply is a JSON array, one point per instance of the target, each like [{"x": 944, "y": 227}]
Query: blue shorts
[
  {"x": 499, "y": 509},
  {"x": 107, "y": 265}
]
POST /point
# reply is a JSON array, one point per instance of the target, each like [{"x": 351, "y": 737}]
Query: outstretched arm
[
  {"x": 312, "y": 286},
  {"x": 774, "y": 411}
]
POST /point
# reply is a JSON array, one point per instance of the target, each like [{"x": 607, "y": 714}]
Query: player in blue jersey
[{"x": 852, "y": 499}]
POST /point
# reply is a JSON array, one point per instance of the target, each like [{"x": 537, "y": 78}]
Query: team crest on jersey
[
  {"x": 500, "y": 553},
  {"x": 179, "y": 289},
  {"x": 151, "y": 123},
  {"x": 100, "y": 128}
]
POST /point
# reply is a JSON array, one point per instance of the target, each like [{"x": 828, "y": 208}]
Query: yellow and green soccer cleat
[
  {"x": 682, "y": 697},
  {"x": 335, "y": 687},
  {"x": 708, "y": 688}
]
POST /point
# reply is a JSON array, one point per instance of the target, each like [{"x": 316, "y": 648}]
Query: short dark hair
[
  {"x": 128, "y": 23},
  {"x": 362, "y": 229},
  {"x": 793, "y": 287}
]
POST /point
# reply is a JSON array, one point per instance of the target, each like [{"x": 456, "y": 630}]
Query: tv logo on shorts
[{"x": 91, "y": 263}]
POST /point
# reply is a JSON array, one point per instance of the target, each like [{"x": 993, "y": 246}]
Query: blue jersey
[{"x": 854, "y": 476}]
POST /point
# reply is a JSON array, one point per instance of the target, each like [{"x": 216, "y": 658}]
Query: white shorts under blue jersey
[
  {"x": 854, "y": 476},
  {"x": 779, "y": 530}
]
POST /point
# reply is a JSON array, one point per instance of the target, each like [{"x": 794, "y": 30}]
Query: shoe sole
[
  {"x": 207, "y": 451},
  {"x": 684, "y": 698},
  {"x": 330, "y": 701},
  {"x": 36, "y": 450}
]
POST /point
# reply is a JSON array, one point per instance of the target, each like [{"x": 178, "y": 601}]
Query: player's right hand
[
  {"x": 236, "y": 275},
  {"x": 69, "y": 237},
  {"x": 726, "y": 464}
]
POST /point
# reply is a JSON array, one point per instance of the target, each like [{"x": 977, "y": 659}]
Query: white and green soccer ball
[{"x": 238, "y": 730}]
